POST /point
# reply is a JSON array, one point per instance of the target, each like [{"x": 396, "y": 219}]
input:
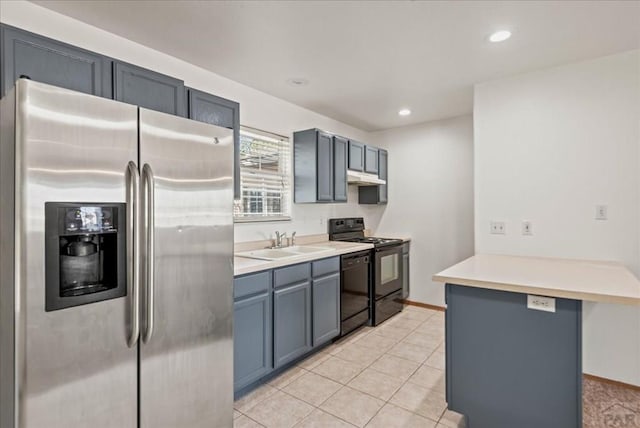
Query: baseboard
[
  {"x": 425, "y": 305},
  {"x": 611, "y": 382}
]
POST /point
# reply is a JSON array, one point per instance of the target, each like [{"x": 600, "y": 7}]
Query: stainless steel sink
[{"x": 282, "y": 253}]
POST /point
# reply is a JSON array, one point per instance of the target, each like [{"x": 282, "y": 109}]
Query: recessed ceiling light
[
  {"x": 297, "y": 81},
  {"x": 500, "y": 36},
  {"x": 404, "y": 112}
]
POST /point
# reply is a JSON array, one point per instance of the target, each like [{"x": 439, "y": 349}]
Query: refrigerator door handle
[
  {"x": 133, "y": 249},
  {"x": 148, "y": 184}
]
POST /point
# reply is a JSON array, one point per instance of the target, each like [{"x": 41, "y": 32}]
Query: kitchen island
[{"x": 514, "y": 336}]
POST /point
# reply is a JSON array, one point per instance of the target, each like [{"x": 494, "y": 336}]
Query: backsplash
[{"x": 311, "y": 219}]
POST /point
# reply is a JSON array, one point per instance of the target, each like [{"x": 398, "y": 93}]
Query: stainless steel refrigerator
[{"x": 115, "y": 264}]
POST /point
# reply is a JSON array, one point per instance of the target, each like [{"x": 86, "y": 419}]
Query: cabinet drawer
[
  {"x": 291, "y": 274},
  {"x": 325, "y": 266},
  {"x": 251, "y": 284}
]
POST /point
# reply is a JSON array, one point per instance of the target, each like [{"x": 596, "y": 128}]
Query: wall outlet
[
  {"x": 498, "y": 228},
  {"x": 527, "y": 228},
  {"x": 601, "y": 212},
  {"x": 541, "y": 303}
]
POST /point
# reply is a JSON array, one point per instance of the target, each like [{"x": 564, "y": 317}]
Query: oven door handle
[{"x": 388, "y": 251}]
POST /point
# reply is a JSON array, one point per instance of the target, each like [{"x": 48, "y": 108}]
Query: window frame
[{"x": 289, "y": 176}]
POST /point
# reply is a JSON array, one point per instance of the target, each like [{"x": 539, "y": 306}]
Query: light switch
[{"x": 601, "y": 212}]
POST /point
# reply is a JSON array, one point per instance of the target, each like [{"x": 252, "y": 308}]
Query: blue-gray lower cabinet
[
  {"x": 291, "y": 322},
  {"x": 509, "y": 366},
  {"x": 252, "y": 329},
  {"x": 52, "y": 62},
  {"x": 326, "y": 308},
  {"x": 148, "y": 89},
  {"x": 406, "y": 287},
  {"x": 280, "y": 315}
]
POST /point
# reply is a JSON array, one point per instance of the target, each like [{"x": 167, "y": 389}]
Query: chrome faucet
[
  {"x": 292, "y": 241},
  {"x": 279, "y": 237}
]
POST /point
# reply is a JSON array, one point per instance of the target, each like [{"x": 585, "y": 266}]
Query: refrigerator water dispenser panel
[{"x": 85, "y": 253}]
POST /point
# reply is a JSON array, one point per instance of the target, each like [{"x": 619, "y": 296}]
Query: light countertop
[
  {"x": 594, "y": 281},
  {"x": 243, "y": 265}
]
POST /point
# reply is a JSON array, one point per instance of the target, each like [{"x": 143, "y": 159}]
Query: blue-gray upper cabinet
[
  {"x": 324, "y": 172},
  {"x": 148, "y": 89},
  {"x": 316, "y": 168},
  {"x": 52, "y": 62},
  {"x": 383, "y": 175},
  {"x": 326, "y": 308},
  {"x": 218, "y": 111},
  {"x": 370, "y": 160},
  {"x": 340, "y": 169},
  {"x": 356, "y": 156},
  {"x": 252, "y": 328},
  {"x": 376, "y": 194},
  {"x": 292, "y": 322}
]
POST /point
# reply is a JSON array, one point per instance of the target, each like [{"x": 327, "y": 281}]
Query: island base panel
[{"x": 510, "y": 366}]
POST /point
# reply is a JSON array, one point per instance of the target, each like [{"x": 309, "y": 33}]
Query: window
[{"x": 265, "y": 190}]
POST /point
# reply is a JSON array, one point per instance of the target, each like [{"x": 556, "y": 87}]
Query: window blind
[{"x": 265, "y": 190}]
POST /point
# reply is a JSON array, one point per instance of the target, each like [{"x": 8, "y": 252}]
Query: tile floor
[{"x": 391, "y": 376}]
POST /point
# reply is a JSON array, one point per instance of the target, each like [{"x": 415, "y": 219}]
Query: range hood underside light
[{"x": 363, "y": 178}]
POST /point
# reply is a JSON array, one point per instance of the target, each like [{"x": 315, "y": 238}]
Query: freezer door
[
  {"x": 73, "y": 366},
  {"x": 186, "y": 358}
]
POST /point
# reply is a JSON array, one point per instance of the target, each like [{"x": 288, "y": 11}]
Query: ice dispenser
[{"x": 85, "y": 253}]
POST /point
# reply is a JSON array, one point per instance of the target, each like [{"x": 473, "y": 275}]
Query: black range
[{"x": 384, "y": 282}]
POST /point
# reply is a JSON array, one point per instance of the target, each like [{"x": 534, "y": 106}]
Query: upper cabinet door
[
  {"x": 339, "y": 169},
  {"x": 383, "y": 175},
  {"x": 148, "y": 89},
  {"x": 370, "y": 160},
  {"x": 356, "y": 156},
  {"x": 222, "y": 112},
  {"x": 325, "y": 167},
  {"x": 55, "y": 63}
]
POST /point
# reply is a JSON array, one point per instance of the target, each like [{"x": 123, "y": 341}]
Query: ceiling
[{"x": 366, "y": 60}]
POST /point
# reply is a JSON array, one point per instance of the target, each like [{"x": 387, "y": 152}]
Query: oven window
[{"x": 389, "y": 268}]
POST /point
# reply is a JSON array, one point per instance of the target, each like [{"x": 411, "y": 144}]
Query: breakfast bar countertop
[{"x": 594, "y": 281}]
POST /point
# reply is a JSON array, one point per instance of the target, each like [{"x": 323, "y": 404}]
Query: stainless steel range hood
[{"x": 363, "y": 178}]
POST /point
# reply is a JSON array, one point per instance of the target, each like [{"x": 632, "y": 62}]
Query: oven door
[{"x": 388, "y": 275}]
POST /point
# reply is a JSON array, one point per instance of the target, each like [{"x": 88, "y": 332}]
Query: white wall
[
  {"x": 549, "y": 147},
  {"x": 430, "y": 198},
  {"x": 257, "y": 109}
]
